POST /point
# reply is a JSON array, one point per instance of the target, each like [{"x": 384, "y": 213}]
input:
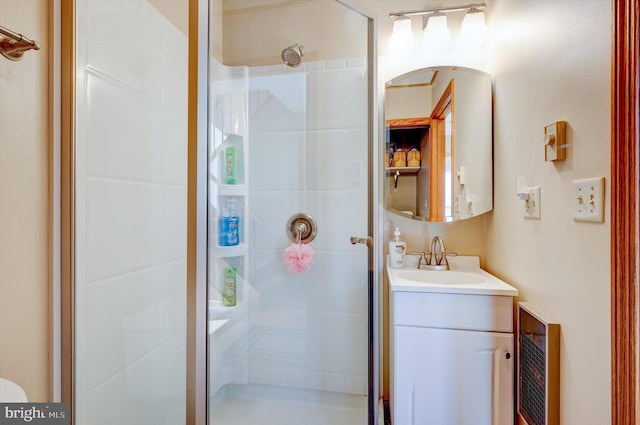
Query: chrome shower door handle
[{"x": 368, "y": 241}]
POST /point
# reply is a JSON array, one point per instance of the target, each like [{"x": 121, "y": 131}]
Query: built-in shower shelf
[
  {"x": 216, "y": 324},
  {"x": 220, "y": 315},
  {"x": 216, "y": 307},
  {"x": 232, "y": 189},
  {"x": 231, "y": 251}
]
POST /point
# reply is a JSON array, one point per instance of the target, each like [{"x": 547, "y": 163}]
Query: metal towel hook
[{"x": 15, "y": 45}]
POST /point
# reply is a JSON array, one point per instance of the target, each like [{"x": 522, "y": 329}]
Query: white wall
[
  {"x": 473, "y": 143},
  {"x": 308, "y": 153},
  {"x": 255, "y": 33},
  {"x": 176, "y": 11},
  {"x": 551, "y": 61},
  {"x": 408, "y": 102},
  {"x": 131, "y": 193},
  {"x": 24, "y": 141}
]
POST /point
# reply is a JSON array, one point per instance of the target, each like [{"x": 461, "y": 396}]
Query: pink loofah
[{"x": 298, "y": 257}]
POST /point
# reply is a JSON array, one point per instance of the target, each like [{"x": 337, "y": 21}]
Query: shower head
[{"x": 292, "y": 55}]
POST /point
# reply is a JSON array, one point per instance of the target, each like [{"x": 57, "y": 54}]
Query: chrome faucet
[
  {"x": 437, "y": 258},
  {"x": 423, "y": 257}
]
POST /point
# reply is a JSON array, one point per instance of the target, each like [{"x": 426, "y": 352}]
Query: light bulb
[
  {"x": 402, "y": 36},
  {"x": 474, "y": 30},
  {"x": 436, "y": 32}
]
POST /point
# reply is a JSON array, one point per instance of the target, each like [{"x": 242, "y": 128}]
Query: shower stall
[
  {"x": 272, "y": 317},
  {"x": 290, "y": 317}
]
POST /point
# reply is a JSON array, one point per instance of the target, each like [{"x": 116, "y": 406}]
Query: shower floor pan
[{"x": 253, "y": 404}]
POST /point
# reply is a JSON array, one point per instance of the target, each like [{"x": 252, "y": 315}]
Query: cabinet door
[{"x": 452, "y": 377}]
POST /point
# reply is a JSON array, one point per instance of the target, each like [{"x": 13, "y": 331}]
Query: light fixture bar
[{"x": 479, "y": 6}]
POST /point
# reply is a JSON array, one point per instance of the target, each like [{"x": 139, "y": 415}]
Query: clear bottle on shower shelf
[{"x": 229, "y": 224}]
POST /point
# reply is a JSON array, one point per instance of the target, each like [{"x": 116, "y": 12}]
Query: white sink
[
  {"x": 464, "y": 277},
  {"x": 449, "y": 277}
]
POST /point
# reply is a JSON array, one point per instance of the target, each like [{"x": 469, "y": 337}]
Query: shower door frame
[
  {"x": 196, "y": 365},
  {"x": 374, "y": 183},
  {"x": 197, "y": 355},
  {"x": 64, "y": 103},
  {"x": 66, "y": 56},
  {"x": 198, "y": 88}
]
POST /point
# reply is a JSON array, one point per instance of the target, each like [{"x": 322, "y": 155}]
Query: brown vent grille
[{"x": 538, "y": 367}]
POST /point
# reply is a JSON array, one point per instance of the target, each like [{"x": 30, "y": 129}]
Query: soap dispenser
[{"x": 397, "y": 249}]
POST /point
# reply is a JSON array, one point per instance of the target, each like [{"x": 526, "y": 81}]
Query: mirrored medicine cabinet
[{"x": 438, "y": 144}]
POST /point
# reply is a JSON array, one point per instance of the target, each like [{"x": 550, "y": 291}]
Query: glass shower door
[
  {"x": 130, "y": 216},
  {"x": 288, "y": 342}
]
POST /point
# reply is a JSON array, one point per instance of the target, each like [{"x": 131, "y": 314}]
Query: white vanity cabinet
[{"x": 452, "y": 354}]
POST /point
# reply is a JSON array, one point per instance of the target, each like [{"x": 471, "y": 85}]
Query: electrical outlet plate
[
  {"x": 532, "y": 206},
  {"x": 588, "y": 199}
]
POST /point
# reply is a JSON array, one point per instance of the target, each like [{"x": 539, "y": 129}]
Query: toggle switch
[
  {"x": 462, "y": 175},
  {"x": 588, "y": 199},
  {"x": 532, "y": 205}
]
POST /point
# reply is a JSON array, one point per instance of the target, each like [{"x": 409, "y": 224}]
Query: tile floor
[{"x": 252, "y": 404}]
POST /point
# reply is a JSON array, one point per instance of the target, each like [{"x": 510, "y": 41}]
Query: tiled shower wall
[
  {"x": 130, "y": 215},
  {"x": 308, "y": 145}
]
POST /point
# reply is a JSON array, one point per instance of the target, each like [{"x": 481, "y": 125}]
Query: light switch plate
[
  {"x": 532, "y": 206},
  {"x": 588, "y": 199}
]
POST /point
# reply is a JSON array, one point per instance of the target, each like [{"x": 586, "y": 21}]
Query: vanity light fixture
[
  {"x": 402, "y": 37},
  {"x": 474, "y": 30},
  {"x": 434, "y": 22},
  {"x": 436, "y": 31}
]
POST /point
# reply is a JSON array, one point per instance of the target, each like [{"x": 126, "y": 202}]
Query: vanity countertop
[{"x": 464, "y": 277}]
